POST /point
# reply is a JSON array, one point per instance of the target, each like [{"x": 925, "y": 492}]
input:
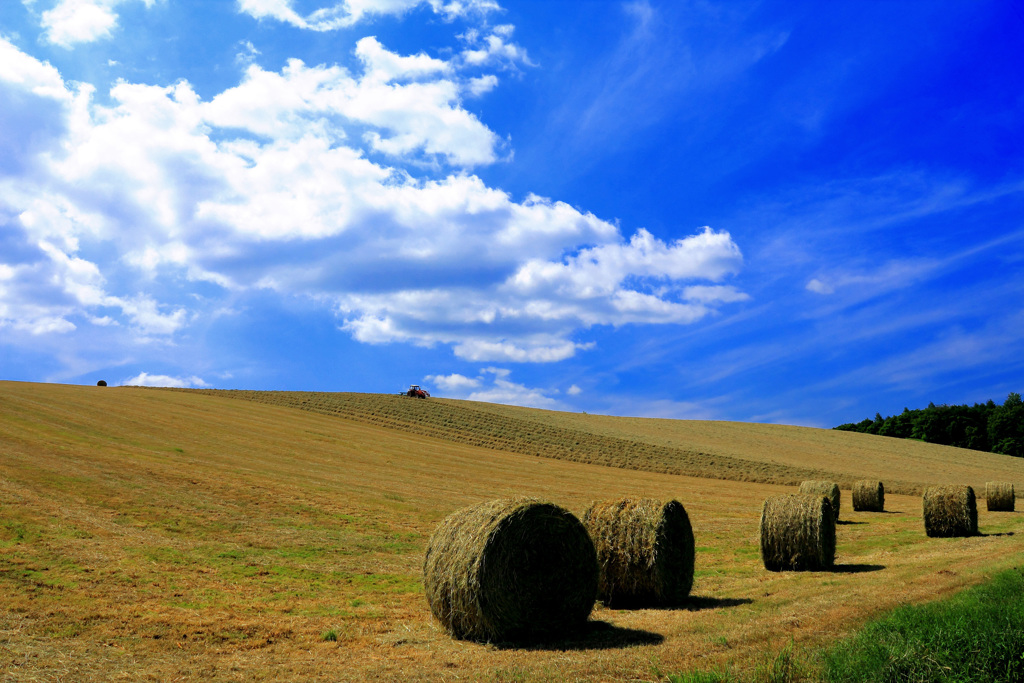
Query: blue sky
[{"x": 788, "y": 212}]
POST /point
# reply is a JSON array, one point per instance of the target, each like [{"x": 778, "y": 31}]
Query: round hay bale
[
  {"x": 999, "y": 496},
  {"x": 823, "y": 488},
  {"x": 868, "y": 496},
  {"x": 645, "y": 552},
  {"x": 510, "y": 570},
  {"x": 101, "y": 383},
  {"x": 798, "y": 531},
  {"x": 950, "y": 511}
]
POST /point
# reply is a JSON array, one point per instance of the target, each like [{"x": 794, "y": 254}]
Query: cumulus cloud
[
  {"x": 310, "y": 182},
  {"x": 418, "y": 116},
  {"x": 493, "y": 46},
  {"x": 493, "y": 385},
  {"x": 71, "y": 22},
  {"x": 44, "y": 294},
  {"x": 144, "y": 379},
  {"x": 453, "y": 382},
  {"x": 481, "y": 85}
]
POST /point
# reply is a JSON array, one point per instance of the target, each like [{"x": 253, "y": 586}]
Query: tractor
[{"x": 416, "y": 392}]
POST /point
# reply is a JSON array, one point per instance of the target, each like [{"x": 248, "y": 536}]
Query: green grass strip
[{"x": 977, "y": 635}]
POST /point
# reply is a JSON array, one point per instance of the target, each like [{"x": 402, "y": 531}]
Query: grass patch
[
  {"x": 977, "y": 635},
  {"x": 13, "y": 532},
  {"x": 702, "y": 677},
  {"x": 789, "y": 665}
]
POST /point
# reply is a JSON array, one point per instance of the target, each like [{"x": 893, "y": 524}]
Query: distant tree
[
  {"x": 928, "y": 426},
  {"x": 1006, "y": 427},
  {"x": 863, "y": 426},
  {"x": 900, "y": 426},
  {"x": 877, "y": 424},
  {"x": 101, "y": 383},
  {"x": 983, "y": 426}
]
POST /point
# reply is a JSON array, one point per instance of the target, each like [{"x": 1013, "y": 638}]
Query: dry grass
[
  {"x": 645, "y": 551},
  {"x": 868, "y": 496},
  {"x": 157, "y": 535},
  {"x": 999, "y": 496},
  {"x": 764, "y": 453},
  {"x": 950, "y": 511},
  {"x": 798, "y": 532},
  {"x": 510, "y": 570}
]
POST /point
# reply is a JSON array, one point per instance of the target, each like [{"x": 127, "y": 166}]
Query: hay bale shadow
[
  {"x": 856, "y": 568},
  {"x": 844, "y": 522},
  {"x": 691, "y": 604},
  {"x": 699, "y": 604},
  {"x": 1001, "y": 533},
  {"x": 594, "y": 635}
]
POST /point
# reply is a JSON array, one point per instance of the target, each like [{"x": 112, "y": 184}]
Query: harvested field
[
  {"x": 162, "y": 535},
  {"x": 763, "y": 453}
]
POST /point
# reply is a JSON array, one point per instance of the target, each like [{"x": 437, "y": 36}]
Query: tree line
[{"x": 982, "y": 427}]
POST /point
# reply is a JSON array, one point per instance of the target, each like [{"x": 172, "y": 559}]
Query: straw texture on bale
[
  {"x": 823, "y": 488},
  {"x": 510, "y": 570},
  {"x": 999, "y": 496},
  {"x": 950, "y": 511},
  {"x": 645, "y": 552},
  {"x": 798, "y": 531},
  {"x": 868, "y": 496}
]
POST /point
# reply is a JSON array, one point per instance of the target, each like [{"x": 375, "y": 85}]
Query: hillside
[
  {"x": 765, "y": 453},
  {"x": 169, "y": 535}
]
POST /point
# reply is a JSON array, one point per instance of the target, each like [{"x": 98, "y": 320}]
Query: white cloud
[
  {"x": 453, "y": 382},
  {"x": 401, "y": 120},
  {"x": 272, "y": 9},
  {"x": 40, "y": 296},
  {"x": 494, "y": 386},
  {"x": 574, "y": 390},
  {"x": 350, "y": 12},
  {"x": 384, "y": 66},
  {"x": 482, "y": 85},
  {"x": 819, "y": 287},
  {"x": 858, "y": 285},
  {"x": 493, "y": 48},
  {"x": 519, "y": 350},
  {"x": 81, "y": 21},
  {"x": 599, "y": 271},
  {"x": 144, "y": 379},
  {"x": 78, "y": 21},
  {"x": 304, "y": 182},
  {"x": 247, "y": 52},
  {"x": 21, "y": 70}
]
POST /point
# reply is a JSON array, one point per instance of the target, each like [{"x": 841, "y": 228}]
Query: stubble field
[{"x": 167, "y": 535}]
